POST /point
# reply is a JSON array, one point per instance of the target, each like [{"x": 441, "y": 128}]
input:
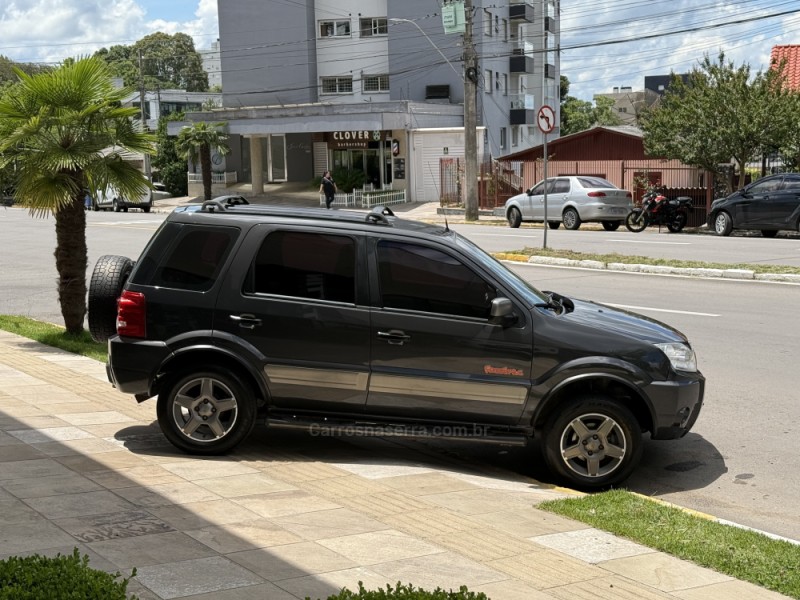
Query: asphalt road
[{"x": 739, "y": 461}]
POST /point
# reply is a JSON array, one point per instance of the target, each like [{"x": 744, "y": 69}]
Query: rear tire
[
  {"x": 636, "y": 221},
  {"x": 769, "y": 233},
  {"x": 571, "y": 219},
  {"x": 554, "y": 224},
  {"x": 206, "y": 411},
  {"x": 678, "y": 223},
  {"x": 723, "y": 224},
  {"x": 514, "y": 217},
  {"x": 115, "y": 205},
  {"x": 593, "y": 442},
  {"x": 108, "y": 278},
  {"x": 610, "y": 225},
  {"x": 146, "y": 209}
]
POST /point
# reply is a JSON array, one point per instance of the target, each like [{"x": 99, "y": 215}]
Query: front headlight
[{"x": 681, "y": 356}]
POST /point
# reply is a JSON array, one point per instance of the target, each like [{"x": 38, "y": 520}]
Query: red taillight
[
  {"x": 131, "y": 315},
  {"x": 596, "y": 194}
]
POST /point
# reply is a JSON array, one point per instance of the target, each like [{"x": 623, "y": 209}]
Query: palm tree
[
  {"x": 200, "y": 139},
  {"x": 56, "y": 127}
]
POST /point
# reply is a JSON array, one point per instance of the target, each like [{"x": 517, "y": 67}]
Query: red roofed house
[{"x": 791, "y": 55}]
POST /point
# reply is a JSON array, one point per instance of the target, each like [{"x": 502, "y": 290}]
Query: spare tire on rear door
[{"x": 109, "y": 276}]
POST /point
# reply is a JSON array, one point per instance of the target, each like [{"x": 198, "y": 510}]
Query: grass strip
[
  {"x": 646, "y": 260},
  {"x": 740, "y": 553},
  {"x": 55, "y": 336}
]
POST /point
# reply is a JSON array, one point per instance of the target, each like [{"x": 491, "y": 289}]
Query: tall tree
[
  {"x": 57, "y": 127},
  {"x": 167, "y": 62},
  {"x": 579, "y": 115},
  {"x": 169, "y": 162},
  {"x": 721, "y": 114},
  {"x": 199, "y": 140}
]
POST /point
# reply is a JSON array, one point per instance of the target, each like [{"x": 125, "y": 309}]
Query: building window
[
  {"x": 375, "y": 83},
  {"x": 487, "y": 23},
  {"x": 505, "y": 84},
  {"x": 487, "y": 81},
  {"x": 505, "y": 30},
  {"x": 334, "y": 28},
  {"x": 502, "y": 137},
  {"x": 497, "y": 81},
  {"x": 515, "y": 136},
  {"x": 373, "y": 26},
  {"x": 337, "y": 85}
]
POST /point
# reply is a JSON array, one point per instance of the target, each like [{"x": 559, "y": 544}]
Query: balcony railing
[{"x": 522, "y": 101}]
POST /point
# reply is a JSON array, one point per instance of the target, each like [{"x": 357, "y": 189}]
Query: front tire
[
  {"x": 678, "y": 223},
  {"x": 593, "y": 443},
  {"x": 610, "y": 225},
  {"x": 723, "y": 224},
  {"x": 206, "y": 411},
  {"x": 571, "y": 219},
  {"x": 636, "y": 221},
  {"x": 769, "y": 233},
  {"x": 115, "y": 205},
  {"x": 108, "y": 278},
  {"x": 514, "y": 217}
]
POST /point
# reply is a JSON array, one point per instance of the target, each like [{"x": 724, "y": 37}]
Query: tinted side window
[
  {"x": 791, "y": 182},
  {"x": 560, "y": 186},
  {"x": 420, "y": 278},
  {"x": 195, "y": 259},
  {"x": 761, "y": 187},
  {"x": 305, "y": 265}
]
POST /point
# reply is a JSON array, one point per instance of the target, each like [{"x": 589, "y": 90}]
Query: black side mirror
[{"x": 502, "y": 312}]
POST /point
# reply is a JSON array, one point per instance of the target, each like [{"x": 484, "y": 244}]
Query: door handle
[
  {"x": 246, "y": 321},
  {"x": 394, "y": 336}
]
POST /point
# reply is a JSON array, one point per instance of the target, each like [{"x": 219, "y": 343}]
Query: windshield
[{"x": 529, "y": 294}]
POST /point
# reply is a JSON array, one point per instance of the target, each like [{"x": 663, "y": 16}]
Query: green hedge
[
  {"x": 406, "y": 592},
  {"x": 38, "y": 577}
]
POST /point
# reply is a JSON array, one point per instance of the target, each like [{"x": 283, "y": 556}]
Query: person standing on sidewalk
[{"x": 328, "y": 186}]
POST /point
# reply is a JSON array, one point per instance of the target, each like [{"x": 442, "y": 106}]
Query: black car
[
  {"x": 340, "y": 322},
  {"x": 770, "y": 204}
]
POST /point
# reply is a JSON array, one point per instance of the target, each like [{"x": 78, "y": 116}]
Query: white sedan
[{"x": 573, "y": 200}]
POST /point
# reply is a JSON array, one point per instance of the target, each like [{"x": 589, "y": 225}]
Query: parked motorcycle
[{"x": 657, "y": 209}]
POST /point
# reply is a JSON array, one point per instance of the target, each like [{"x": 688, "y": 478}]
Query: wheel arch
[
  {"x": 213, "y": 357},
  {"x": 613, "y": 386}
]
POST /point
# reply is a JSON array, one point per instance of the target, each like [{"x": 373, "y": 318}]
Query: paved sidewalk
[{"x": 287, "y": 515}]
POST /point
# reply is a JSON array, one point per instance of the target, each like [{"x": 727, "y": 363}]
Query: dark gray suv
[{"x": 347, "y": 322}]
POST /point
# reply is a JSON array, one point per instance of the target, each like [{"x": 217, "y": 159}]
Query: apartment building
[{"x": 377, "y": 85}]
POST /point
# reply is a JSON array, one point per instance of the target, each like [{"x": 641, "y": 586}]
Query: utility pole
[
  {"x": 470, "y": 118},
  {"x": 145, "y": 157}
]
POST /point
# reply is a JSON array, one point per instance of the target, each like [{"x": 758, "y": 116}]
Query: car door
[
  {"x": 784, "y": 204},
  {"x": 295, "y": 303},
  {"x": 529, "y": 202},
  {"x": 435, "y": 355},
  {"x": 557, "y": 197},
  {"x": 754, "y": 207}
]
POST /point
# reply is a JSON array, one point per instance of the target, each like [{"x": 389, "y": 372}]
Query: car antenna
[{"x": 446, "y": 226}]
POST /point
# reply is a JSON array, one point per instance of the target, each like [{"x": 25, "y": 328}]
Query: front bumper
[{"x": 676, "y": 405}]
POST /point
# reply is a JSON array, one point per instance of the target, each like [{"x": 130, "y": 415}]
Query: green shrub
[
  {"x": 64, "y": 577},
  {"x": 406, "y": 592},
  {"x": 347, "y": 181}
]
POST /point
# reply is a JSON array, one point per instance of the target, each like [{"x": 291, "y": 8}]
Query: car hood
[{"x": 622, "y": 323}]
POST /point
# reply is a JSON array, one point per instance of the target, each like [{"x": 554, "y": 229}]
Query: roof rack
[{"x": 378, "y": 215}]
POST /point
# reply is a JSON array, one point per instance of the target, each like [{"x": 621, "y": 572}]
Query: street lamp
[{"x": 469, "y": 78}]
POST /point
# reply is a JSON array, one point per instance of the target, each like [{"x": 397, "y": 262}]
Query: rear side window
[
  {"x": 791, "y": 182},
  {"x": 415, "y": 277},
  {"x": 560, "y": 186},
  {"x": 194, "y": 261},
  {"x": 305, "y": 265}
]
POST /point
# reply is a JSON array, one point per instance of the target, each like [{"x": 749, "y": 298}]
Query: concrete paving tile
[
  {"x": 423, "y": 484},
  {"x": 299, "y": 470},
  {"x": 14, "y": 511},
  {"x": 741, "y": 590},
  {"x": 22, "y": 469},
  {"x": 501, "y": 481},
  {"x": 380, "y": 546},
  {"x": 43, "y": 394},
  {"x": 431, "y": 522},
  {"x": 196, "y": 515},
  {"x": 482, "y": 501},
  {"x": 96, "y": 528},
  {"x": 344, "y": 487},
  {"x": 267, "y": 591},
  {"x": 484, "y": 544},
  {"x": 664, "y": 572},
  {"x": 510, "y": 589},
  {"x": 611, "y": 588},
  {"x": 17, "y": 410},
  {"x": 165, "y": 494},
  {"x": 379, "y": 470},
  {"x": 591, "y": 545},
  {"x": 291, "y": 561},
  {"x": 86, "y": 405},
  {"x": 88, "y": 446},
  {"x": 281, "y": 504},
  {"x": 192, "y": 577},
  {"x": 327, "y": 584},
  {"x": 120, "y": 459},
  {"x": 36, "y": 535},
  {"x": 547, "y": 569},
  {"x": 141, "y": 592},
  {"x": 147, "y": 475},
  {"x": 447, "y": 570},
  {"x": 40, "y": 421},
  {"x": 109, "y": 430},
  {"x": 19, "y": 452},
  {"x": 207, "y": 468},
  {"x": 95, "y": 560},
  {"x": 244, "y": 485},
  {"x": 235, "y": 537},
  {"x": 94, "y": 418},
  {"x": 384, "y": 504},
  {"x": 329, "y": 523},
  {"x": 527, "y": 522},
  {"x": 49, "y": 434},
  {"x": 76, "y": 505},
  {"x": 34, "y": 487},
  {"x": 146, "y": 550}
]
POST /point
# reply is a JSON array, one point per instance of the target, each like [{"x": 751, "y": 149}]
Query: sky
[{"x": 678, "y": 32}]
